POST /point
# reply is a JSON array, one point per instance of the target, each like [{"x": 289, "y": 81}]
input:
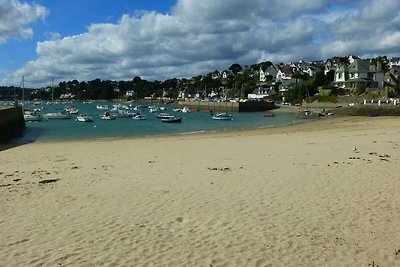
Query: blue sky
[
  {"x": 68, "y": 18},
  {"x": 115, "y": 39}
]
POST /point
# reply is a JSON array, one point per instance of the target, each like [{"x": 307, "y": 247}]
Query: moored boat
[
  {"x": 71, "y": 110},
  {"x": 268, "y": 115},
  {"x": 84, "y": 118},
  {"x": 139, "y": 117},
  {"x": 30, "y": 115},
  {"x": 103, "y": 107},
  {"x": 57, "y": 116},
  {"x": 164, "y": 116},
  {"x": 186, "y": 110},
  {"x": 107, "y": 116},
  {"x": 222, "y": 116},
  {"x": 172, "y": 119}
]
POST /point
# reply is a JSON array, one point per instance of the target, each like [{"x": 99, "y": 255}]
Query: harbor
[{"x": 124, "y": 124}]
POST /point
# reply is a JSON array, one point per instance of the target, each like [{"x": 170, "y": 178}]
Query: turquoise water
[{"x": 194, "y": 122}]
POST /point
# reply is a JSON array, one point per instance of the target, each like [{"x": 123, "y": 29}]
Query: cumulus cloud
[
  {"x": 15, "y": 17},
  {"x": 201, "y": 36}
]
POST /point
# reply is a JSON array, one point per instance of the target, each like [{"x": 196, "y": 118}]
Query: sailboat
[
  {"x": 56, "y": 115},
  {"x": 29, "y": 115},
  {"x": 308, "y": 113}
]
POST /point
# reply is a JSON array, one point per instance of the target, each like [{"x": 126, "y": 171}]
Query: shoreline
[
  {"x": 319, "y": 193},
  {"x": 291, "y": 127}
]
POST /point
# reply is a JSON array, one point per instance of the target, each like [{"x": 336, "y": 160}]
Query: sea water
[{"x": 193, "y": 122}]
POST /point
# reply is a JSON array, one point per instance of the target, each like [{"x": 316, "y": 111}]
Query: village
[{"x": 342, "y": 76}]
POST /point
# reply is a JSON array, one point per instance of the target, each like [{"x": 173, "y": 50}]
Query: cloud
[
  {"x": 201, "y": 36},
  {"x": 15, "y": 16}
]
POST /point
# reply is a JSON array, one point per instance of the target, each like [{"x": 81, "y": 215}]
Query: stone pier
[{"x": 11, "y": 122}]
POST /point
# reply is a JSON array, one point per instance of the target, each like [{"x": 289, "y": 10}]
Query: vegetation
[{"x": 238, "y": 83}]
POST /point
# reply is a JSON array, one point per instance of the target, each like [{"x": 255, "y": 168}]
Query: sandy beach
[{"x": 324, "y": 193}]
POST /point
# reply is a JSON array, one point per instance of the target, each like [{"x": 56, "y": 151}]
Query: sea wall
[
  {"x": 249, "y": 106},
  {"x": 11, "y": 122}
]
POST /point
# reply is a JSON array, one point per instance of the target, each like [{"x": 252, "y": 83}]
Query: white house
[
  {"x": 130, "y": 93},
  {"x": 394, "y": 61},
  {"x": 359, "y": 74}
]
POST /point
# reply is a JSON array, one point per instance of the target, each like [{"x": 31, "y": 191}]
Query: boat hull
[
  {"x": 222, "y": 118},
  {"x": 172, "y": 120}
]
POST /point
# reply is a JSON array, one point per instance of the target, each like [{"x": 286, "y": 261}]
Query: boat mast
[{"x": 23, "y": 89}]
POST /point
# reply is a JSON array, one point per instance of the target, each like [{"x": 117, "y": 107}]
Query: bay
[{"x": 193, "y": 122}]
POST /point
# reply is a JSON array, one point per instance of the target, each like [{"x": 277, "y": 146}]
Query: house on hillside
[
  {"x": 359, "y": 75},
  {"x": 130, "y": 93},
  {"x": 329, "y": 65},
  {"x": 285, "y": 72},
  {"x": 260, "y": 93},
  {"x": 268, "y": 72},
  {"x": 186, "y": 93},
  {"x": 392, "y": 77},
  {"x": 394, "y": 61}
]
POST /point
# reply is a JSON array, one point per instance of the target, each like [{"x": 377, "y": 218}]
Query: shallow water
[{"x": 194, "y": 122}]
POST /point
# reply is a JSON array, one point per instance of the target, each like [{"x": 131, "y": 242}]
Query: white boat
[
  {"x": 164, "y": 116},
  {"x": 139, "y": 117},
  {"x": 152, "y": 109},
  {"x": 57, "y": 116},
  {"x": 103, "y": 107},
  {"x": 84, "y": 118},
  {"x": 107, "y": 116},
  {"x": 32, "y": 116},
  {"x": 171, "y": 119},
  {"x": 186, "y": 110},
  {"x": 71, "y": 110}
]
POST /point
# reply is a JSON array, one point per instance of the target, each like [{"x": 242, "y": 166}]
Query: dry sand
[{"x": 290, "y": 196}]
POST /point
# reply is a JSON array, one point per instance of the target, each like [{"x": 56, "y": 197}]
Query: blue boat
[{"x": 222, "y": 116}]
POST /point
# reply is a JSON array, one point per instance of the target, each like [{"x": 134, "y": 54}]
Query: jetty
[
  {"x": 12, "y": 122},
  {"x": 247, "y": 106}
]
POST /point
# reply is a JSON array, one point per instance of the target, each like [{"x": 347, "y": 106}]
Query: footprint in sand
[{"x": 180, "y": 219}]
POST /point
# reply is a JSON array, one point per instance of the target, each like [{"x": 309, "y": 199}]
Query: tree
[{"x": 235, "y": 68}]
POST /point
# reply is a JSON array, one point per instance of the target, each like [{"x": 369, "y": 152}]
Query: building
[
  {"x": 394, "y": 61},
  {"x": 359, "y": 75}
]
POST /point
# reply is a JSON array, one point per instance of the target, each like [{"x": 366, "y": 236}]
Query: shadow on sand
[{"x": 30, "y": 135}]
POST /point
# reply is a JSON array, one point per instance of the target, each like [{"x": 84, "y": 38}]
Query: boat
[
  {"x": 125, "y": 114},
  {"x": 153, "y": 109},
  {"x": 268, "y": 115},
  {"x": 308, "y": 114},
  {"x": 103, "y": 107},
  {"x": 186, "y": 110},
  {"x": 222, "y": 116},
  {"x": 139, "y": 117},
  {"x": 71, "y": 110},
  {"x": 172, "y": 119},
  {"x": 30, "y": 115},
  {"x": 164, "y": 116},
  {"x": 84, "y": 118},
  {"x": 61, "y": 115},
  {"x": 107, "y": 116},
  {"x": 57, "y": 116}
]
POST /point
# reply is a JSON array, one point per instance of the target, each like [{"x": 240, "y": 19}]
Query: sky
[{"x": 85, "y": 40}]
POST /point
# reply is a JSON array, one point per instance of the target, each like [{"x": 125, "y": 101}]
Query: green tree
[{"x": 235, "y": 68}]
